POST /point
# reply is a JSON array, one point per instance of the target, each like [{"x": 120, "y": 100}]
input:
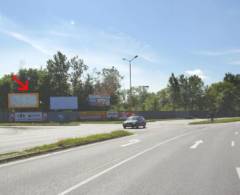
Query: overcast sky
[{"x": 188, "y": 36}]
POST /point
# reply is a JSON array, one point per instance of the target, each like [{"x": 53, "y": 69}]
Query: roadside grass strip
[
  {"x": 219, "y": 120},
  {"x": 61, "y": 145}
]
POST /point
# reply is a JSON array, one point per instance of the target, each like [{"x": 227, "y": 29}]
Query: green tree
[
  {"x": 222, "y": 98},
  {"x": 109, "y": 83},
  {"x": 6, "y": 87},
  {"x": 196, "y": 92},
  {"x": 164, "y": 100},
  {"x": 174, "y": 90},
  {"x": 78, "y": 67},
  {"x": 58, "y": 70},
  {"x": 152, "y": 102}
]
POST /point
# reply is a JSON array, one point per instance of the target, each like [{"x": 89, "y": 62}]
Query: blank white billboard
[{"x": 64, "y": 103}]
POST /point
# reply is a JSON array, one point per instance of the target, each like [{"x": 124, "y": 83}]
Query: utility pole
[{"x": 130, "y": 77}]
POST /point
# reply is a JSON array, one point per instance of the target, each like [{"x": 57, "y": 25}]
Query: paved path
[{"x": 163, "y": 159}]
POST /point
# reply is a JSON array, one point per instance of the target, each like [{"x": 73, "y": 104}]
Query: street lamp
[
  {"x": 130, "y": 74},
  {"x": 145, "y": 86},
  {"x": 130, "y": 71}
]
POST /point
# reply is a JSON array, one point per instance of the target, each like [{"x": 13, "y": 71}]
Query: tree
[
  {"x": 109, "y": 83},
  {"x": 222, "y": 98},
  {"x": 58, "y": 68},
  {"x": 6, "y": 87},
  {"x": 77, "y": 69},
  {"x": 184, "y": 92},
  {"x": 33, "y": 76},
  {"x": 86, "y": 89},
  {"x": 174, "y": 90},
  {"x": 152, "y": 102},
  {"x": 235, "y": 80},
  {"x": 164, "y": 100},
  {"x": 196, "y": 92}
]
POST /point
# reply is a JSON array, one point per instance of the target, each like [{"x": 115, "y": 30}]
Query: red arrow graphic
[{"x": 22, "y": 86}]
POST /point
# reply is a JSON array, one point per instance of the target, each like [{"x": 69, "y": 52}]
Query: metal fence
[{"x": 75, "y": 115}]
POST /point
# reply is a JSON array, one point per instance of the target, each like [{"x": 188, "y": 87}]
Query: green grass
[
  {"x": 63, "y": 144},
  {"x": 217, "y": 120}
]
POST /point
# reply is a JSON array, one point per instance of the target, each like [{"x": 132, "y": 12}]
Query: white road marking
[
  {"x": 131, "y": 142},
  {"x": 121, "y": 163},
  {"x": 196, "y": 144},
  {"x": 236, "y": 133},
  {"x": 232, "y": 143},
  {"x": 238, "y": 171}
]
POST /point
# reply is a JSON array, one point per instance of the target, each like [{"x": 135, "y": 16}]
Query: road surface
[
  {"x": 162, "y": 159},
  {"x": 18, "y": 138},
  {"x": 22, "y": 137}
]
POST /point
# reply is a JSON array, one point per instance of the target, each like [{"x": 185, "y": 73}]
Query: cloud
[
  {"x": 98, "y": 48},
  {"x": 101, "y": 41},
  {"x": 218, "y": 53},
  {"x": 236, "y": 62},
  {"x": 197, "y": 72},
  {"x": 27, "y": 40}
]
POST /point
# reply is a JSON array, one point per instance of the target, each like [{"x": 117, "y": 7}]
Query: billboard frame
[
  {"x": 93, "y": 100},
  {"x": 22, "y": 94},
  {"x": 53, "y": 105}
]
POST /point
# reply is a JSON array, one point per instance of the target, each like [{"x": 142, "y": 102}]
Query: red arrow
[{"x": 22, "y": 86}]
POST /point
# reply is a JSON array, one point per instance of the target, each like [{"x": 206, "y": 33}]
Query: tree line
[
  {"x": 64, "y": 77},
  {"x": 189, "y": 93},
  {"x": 72, "y": 77}
]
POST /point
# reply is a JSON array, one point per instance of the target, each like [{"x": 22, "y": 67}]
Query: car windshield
[{"x": 133, "y": 118}]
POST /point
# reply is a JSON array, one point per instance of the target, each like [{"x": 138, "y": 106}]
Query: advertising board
[
  {"x": 64, "y": 103},
  {"x": 97, "y": 100},
  {"x": 23, "y": 100},
  {"x": 93, "y": 115},
  {"x": 112, "y": 115},
  {"x": 28, "y": 116},
  {"x": 125, "y": 115}
]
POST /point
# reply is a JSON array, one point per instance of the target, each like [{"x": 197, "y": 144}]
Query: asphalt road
[
  {"x": 22, "y": 137},
  {"x": 172, "y": 159},
  {"x": 18, "y": 138}
]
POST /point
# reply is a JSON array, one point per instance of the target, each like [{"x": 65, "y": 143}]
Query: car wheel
[{"x": 124, "y": 127}]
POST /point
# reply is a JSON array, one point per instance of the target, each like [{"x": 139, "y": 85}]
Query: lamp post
[
  {"x": 130, "y": 76},
  {"x": 145, "y": 86}
]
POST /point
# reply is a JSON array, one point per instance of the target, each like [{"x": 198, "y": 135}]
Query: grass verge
[
  {"x": 61, "y": 145},
  {"x": 218, "y": 120}
]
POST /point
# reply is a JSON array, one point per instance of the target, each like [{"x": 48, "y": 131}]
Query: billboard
[
  {"x": 93, "y": 115},
  {"x": 112, "y": 115},
  {"x": 125, "y": 115},
  {"x": 23, "y": 100},
  {"x": 64, "y": 103},
  {"x": 97, "y": 100},
  {"x": 28, "y": 116}
]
